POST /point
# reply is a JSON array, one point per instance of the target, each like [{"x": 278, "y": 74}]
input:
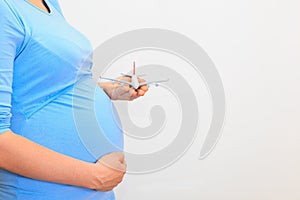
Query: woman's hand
[
  {"x": 109, "y": 172},
  {"x": 117, "y": 91}
]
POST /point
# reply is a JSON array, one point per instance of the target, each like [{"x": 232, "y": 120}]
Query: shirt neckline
[{"x": 39, "y": 9}]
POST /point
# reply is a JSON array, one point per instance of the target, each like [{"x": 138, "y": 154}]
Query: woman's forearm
[{"x": 24, "y": 157}]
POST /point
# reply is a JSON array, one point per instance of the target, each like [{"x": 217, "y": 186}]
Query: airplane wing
[
  {"x": 126, "y": 75},
  {"x": 153, "y": 82},
  {"x": 117, "y": 80}
]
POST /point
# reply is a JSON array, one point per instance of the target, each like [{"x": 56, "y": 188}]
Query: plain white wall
[{"x": 256, "y": 47}]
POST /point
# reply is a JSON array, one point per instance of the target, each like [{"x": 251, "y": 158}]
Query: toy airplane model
[{"x": 134, "y": 80}]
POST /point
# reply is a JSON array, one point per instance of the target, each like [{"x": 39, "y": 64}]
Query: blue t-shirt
[{"x": 48, "y": 96}]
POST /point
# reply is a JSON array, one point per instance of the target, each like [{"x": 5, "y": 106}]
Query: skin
[{"x": 24, "y": 157}]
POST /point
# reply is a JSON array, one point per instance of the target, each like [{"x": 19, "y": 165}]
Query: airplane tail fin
[{"x": 134, "y": 71}]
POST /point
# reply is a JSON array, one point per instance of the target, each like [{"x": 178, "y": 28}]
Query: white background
[{"x": 256, "y": 47}]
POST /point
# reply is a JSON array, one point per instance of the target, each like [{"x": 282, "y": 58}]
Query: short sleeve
[{"x": 11, "y": 37}]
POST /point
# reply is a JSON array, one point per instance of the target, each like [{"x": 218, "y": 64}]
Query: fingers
[
  {"x": 144, "y": 88},
  {"x": 141, "y": 80},
  {"x": 141, "y": 92},
  {"x": 121, "y": 157},
  {"x": 118, "y": 156},
  {"x": 109, "y": 178},
  {"x": 110, "y": 185},
  {"x": 132, "y": 94},
  {"x": 110, "y": 171},
  {"x": 115, "y": 160}
]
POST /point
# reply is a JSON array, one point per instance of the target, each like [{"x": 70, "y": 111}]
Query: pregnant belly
[{"x": 81, "y": 123}]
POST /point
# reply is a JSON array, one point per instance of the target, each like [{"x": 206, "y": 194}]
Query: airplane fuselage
[{"x": 135, "y": 82}]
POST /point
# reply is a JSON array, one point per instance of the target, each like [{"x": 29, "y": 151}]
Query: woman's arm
[{"x": 24, "y": 157}]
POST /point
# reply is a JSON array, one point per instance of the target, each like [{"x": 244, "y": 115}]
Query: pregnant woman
[{"x": 59, "y": 136}]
